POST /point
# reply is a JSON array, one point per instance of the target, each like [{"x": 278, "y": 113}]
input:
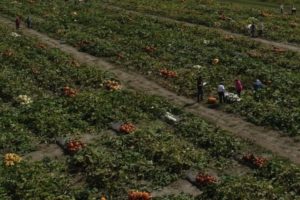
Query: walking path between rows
[
  {"x": 268, "y": 139},
  {"x": 168, "y": 19}
]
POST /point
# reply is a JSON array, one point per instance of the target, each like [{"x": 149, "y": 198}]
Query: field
[
  {"x": 72, "y": 131},
  {"x": 270, "y": 4},
  {"x": 237, "y": 15},
  {"x": 149, "y": 45},
  {"x": 157, "y": 153}
]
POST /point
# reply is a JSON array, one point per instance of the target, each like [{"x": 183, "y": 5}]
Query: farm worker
[
  {"x": 199, "y": 89},
  {"x": 18, "y": 22},
  {"x": 260, "y": 29},
  {"x": 294, "y": 10},
  {"x": 252, "y": 29},
  {"x": 221, "y": 92},
  {"x": 257, "y": 85},
  {"x": 281, "y": 8},
  {"x": 238, "y": 87},
  {"x": 29, "y": 22}
]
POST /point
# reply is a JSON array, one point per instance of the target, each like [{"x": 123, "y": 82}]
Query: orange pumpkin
[
  {"x": 212, "y": 100},
  {"x": 102, "y": 197}
]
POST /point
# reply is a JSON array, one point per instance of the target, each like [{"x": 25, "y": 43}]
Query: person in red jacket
[
  {"x": 238, "y": 87},
  {"x": 18, "y": 22}
]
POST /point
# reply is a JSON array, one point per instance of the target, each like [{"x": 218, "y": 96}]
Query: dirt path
[
  {"x": 54, "y": 151},
  {"x": 268, "y": 139},
  {"x": 264, "y": 41},
  {"x": 176, "y": 188}
]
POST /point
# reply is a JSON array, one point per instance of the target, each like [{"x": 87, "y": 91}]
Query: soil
[
  {"x": 176, "y": 188},
  {"x": 55, "y": 151},
  {"x": 51, "y": 151},
  {"x": 269, "y": 139}
]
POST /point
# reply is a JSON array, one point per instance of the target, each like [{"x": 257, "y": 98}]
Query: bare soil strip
[
  {"x": 176, "y": 188},
  {"x": 269, "y": 139},
  {"x": 54, "y": 151}
]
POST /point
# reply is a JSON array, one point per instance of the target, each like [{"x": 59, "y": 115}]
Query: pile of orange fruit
[
  {"x": 83, "y": 43},
  {"x": 279, "y": 50},
  {"x": 229, "y": 37},
  {"x": 135, "y": 195},
  {"x": 120, "y": 56},
  {"x": 150, "y": 49},
  {"x": 127, "y": 128},
  {"x": 41, "y": 46},
  {"x": 74, "y": 63},
  {"x": 70, "y": 92},
  {"x": 205, "y": 179},
  {"x": 74, "y": 146},
  {"x": 211, "y": 100},
  {"x": 265, "y": 14},
  {"x": 112, "y": 85},
  {"x": 257, "y": 161},
  {"x": 103, "y": 197},
  {"x": 215, "y": 61},
  {"x": 167, "y": 73},
  {"x": 8, "y": 53},
  {"x": 11, "y": 159}
]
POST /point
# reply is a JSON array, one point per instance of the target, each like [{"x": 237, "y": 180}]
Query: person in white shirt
[
  {"x": 221, "y": 92},
  {"x": 294, "y": 10},
  {"x": 281, "y": 8}
]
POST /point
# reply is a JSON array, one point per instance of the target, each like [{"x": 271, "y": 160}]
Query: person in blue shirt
[
  {"x": 257, "y": 85},
  {"x": 29, "y": 22}
]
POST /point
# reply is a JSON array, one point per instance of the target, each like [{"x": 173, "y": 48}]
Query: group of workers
[
  {"x": 221, "y": 88},
  {"x": 200, "y": 84},
  {"x": 260, "y": 29},
  {"x": 293, "y": 9},
  {"x": 28, "y": 22}
]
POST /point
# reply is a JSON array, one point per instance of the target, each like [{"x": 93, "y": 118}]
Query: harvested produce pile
[
  {"x": 10, "y": 159},
  {"x": 255, "y": 161},
  {"x": 70, "y": 92},
  {"x": 74, "y": 146},
  {"x": 205, "y": 179},
  {"x": 167, "y": 73},
  {"x": 112, "y": 85},
  {"x": 127, "y": 128},
  {"x": 24, "y": 99},
  {"x": 150, "y": 49},
  {"x": 136, "y": 195}
]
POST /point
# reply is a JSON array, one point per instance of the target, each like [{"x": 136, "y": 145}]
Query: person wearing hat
[{"x": 294, "y": 10}]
